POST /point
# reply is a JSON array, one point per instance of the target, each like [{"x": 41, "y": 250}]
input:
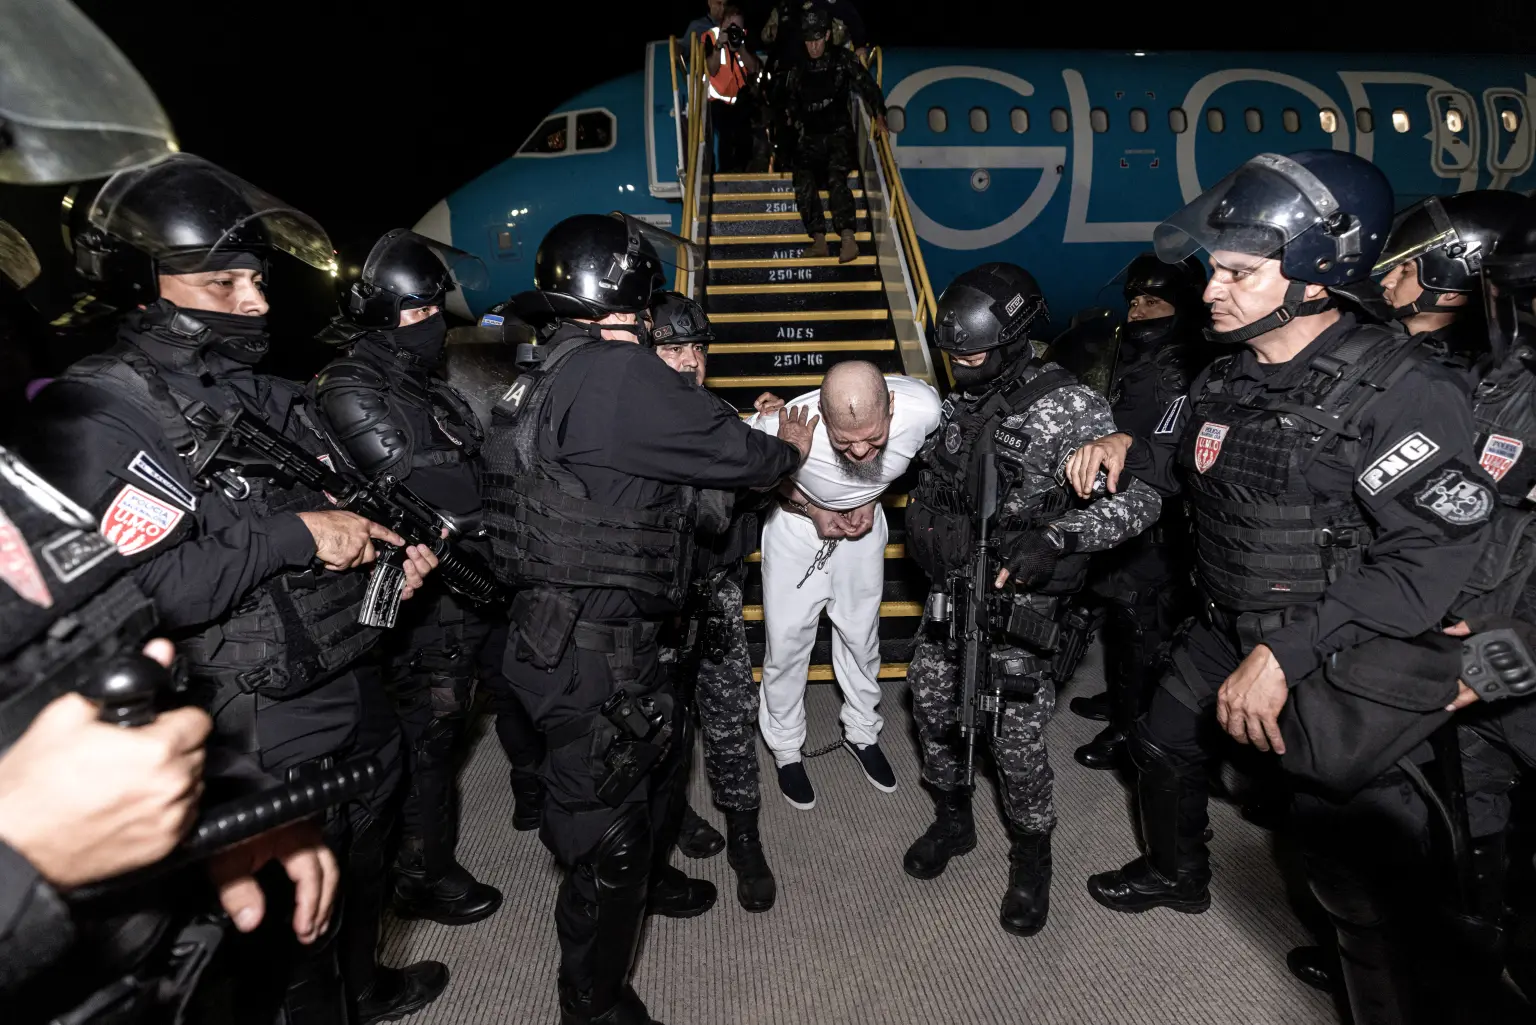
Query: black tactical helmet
[
  {"x": 988, "y": 306},
  {"x": 1509, "y": 277},
  {"x": 591, "y": 265},
  {"x": 815, "y": 22},
  {"x": 1447, "y": 238},
  {"x": 406, "y": 271},
  {"x": 183, "y": 215},
  {"x": 676, "y": 319},
  {"x": 1178, "y": 284}
]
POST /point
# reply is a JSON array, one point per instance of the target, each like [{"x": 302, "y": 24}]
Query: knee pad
[
  {"x": 435, "y": 745},
  {"x": 622, "y": 858},
  {"x": 1152, "y": 759}
]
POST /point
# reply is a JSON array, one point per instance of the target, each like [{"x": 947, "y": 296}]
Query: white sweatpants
[{"x": 849, "y": 588}]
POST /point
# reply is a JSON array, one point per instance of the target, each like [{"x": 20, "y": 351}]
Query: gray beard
[{"x": 865, "y": 472}]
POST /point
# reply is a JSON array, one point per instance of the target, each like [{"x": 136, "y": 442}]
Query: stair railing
[
  {"x": 694, "y": 176},
  {"x": 923, "y": 301}
]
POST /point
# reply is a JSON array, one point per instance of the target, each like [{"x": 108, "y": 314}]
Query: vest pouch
[
  {"x": 635, "y": 732},
  {"x": 545, "y": 620},
  {"x": 938, "y": 534}
]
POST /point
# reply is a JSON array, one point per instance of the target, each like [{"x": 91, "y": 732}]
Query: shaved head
[
  {"x": 856, "y": 410},
  {"x": 854, "y": 394}
]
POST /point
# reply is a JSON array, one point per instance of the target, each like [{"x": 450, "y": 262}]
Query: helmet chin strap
[
  {"x": 639, "y": 329},
  {"x": 1295, "y": 305},
  {"x": 1415, "y": 308}
]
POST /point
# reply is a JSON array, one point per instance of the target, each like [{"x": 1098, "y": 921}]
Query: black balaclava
[
  {"x": 237, "y": 337},
  {"x": 969, "y": 379},
  {"x": 1140, "y": 337},
  {"x": 423, "y": 340}
]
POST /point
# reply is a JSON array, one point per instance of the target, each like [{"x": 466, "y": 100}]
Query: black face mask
[
  {"x": 990, "y": 369},
  {"x": 423, "y": 340},
  {"x": 240, "y": 338},
  {"x": 1142, "y": 336}
]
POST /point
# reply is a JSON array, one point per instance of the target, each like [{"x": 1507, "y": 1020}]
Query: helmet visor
[
  {"x": 674, "y": 251},
  {"x": 72, "y": 107},
  {"x": 466, "y": 269},
  {"x": 18, "y": 261},
  {"x": 1408, "y": 241},
  {"x": 195, "y": 211},
  {"x": 1255, "y": 210}
]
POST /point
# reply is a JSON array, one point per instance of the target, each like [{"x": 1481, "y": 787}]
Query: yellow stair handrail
[{"x": 697, "y": 117}]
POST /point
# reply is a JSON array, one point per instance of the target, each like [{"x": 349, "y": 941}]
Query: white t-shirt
[{"x": 823, "y": 477}]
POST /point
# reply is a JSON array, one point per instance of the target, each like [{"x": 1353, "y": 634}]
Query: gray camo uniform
[
  {"x": 1033, "y": 434},
  {"x": 727, "y": 701}
]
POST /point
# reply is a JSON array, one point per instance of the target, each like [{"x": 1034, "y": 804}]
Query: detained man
[{"x": 824, "y": 548}]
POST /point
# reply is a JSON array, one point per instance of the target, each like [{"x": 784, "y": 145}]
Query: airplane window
[
  {"x": 594, "y": 130},
  {"x": 1215, "y": 120},
  {"x": 1178, "y": 121},
  {"x": 1328, "y": 118},
  {"x": 1365, "y": 119},
  {"x": 1060, "y": 121},
  {"x": 549, "y": 138},
  {"x": 1098, "y": 117},
  {"x": 1290, "y": 120},
  {"x": 1453, "y": 120},
  {"x": 979, "y": 120},
  {"x": 938, "y": 119},
  {"x": 1018, "y": 120},
  {"x": 896, "y": 118},
  {"x": 1510, "y": 120},
  {"x": 1254, "y": 119},
  {"x": 1400, "y": 120},
  {"x": 1138, "y": 120}
]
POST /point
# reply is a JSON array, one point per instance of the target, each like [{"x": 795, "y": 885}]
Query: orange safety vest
[{"x": 726, "y": 83}]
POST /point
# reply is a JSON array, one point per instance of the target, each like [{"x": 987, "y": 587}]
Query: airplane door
[
  {"x": 1454, "y": 117},
  {"x": 661, "y": 121},
  {"x": 1511, "y": 146}
]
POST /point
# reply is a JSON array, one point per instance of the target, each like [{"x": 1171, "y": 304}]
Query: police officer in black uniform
[
  {"x": 1430, "y": 267},
  {"x": 715, "y": 664},
  {"x": 814, "y": 95},
  {"x": 1330, "y": 469},
  {"x": 1144, "y": 584},
  {"x": 386, "y": 411},
  {"x": 591, "y": 464},
  {"x": 250, "y": 575}
]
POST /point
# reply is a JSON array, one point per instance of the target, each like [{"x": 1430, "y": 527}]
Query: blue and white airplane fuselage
[{"x": 1062, "y": 162}]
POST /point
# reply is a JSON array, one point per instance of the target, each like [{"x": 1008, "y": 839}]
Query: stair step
[
  {"x": 808, "y": 270},
  {"x": 730, "y": 225},
  {"x": 777, "y": 181},
  {"x": 888, "y": 610},
  {"x": 776, "y": 247},
  {"x": 888, "y": 671},
  {"x": 771, "y": 358},
  {"x": 813, "y": 298},
  {"x": 765, "y": 202},
  {"x": 800, "y": 316}
]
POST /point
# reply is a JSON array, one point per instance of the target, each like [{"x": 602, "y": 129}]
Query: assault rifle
[
  {"x": 978, "y": 618},
  {"x": 241, "y": 442}
]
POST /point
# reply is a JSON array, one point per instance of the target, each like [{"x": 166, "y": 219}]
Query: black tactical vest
[
  {"x": 941, "y": 521},
  {"x": 544, "y": 528},
  {"x": 296, "y": 629},
  {"x": 1504, "y": 406},
  {"x": 822, "y": 94},
  {"x": 66, "y": 606},
  {"x": 1168, "y": 371},
  {"x": 1265, "y": 537}
]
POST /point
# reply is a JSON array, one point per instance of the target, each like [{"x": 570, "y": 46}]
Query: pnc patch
[
  {"x": 1500, "y": 455},
  {"x": 1208, "y": 445},
  {"x": 137, "y": 520},
  {"x": 18, "y": 568},
  {"x": 1396, "y": 461}
]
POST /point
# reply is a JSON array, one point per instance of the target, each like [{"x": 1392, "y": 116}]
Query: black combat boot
[
  {"x": 630, "y": 1010},
  {"x": 448, "y": 896},
  {"x": 397, "y": 992},
  {"x": 1175, "y": 872},
  {"x": 756, "y": 888},
  {"x": 674, "y": 895},
  {"x": 1094, "y": 706},
  {"x": 528, "y": 801},
  {"x": 953, "y": 833},
  {"x": 1028, "y": 900},
  {"x": 697, "y": 838},
  {"x": 1103, "y": 751}
]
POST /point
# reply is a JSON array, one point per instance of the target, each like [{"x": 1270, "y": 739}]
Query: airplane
[{"x": 1060, "y": 161}]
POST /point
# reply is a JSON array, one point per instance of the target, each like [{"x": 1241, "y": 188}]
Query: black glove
[
  {"x": 1497, "y": 661},
  {"x": 1030, "y": 559}
]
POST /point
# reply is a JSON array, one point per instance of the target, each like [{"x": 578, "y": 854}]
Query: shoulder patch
[
  {"x": 1170, "y": 416},
  {"x": 1208, "y": 444},
  {"x": 44, "y": 495},
  {"x": 1396, "y": 461},
  {"x": 18, "y": 568},
  {"x": 137, "y": 520},
  {"x": 1500, "y": 453},
  {"x": 515, "y": 394},
  {"x": 75, "y": 552},
  {"x": 1015, "y": 421},
  {"x": 492, "y": 320},
  {"x": 156, "y": 476},
  {"x": 1455, "y": 498}
]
